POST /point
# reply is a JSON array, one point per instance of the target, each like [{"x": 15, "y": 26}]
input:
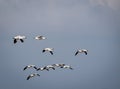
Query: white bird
[
  {"x": 49, "y": 50},
  {"x": 58, "y": 65},
  {"x": 50, "y": 66},
  {"x": 81, "y": 51},
  {"x": 32, "y": 75},
  {"x": 43, "y": 68},
  {"x": 40, "y": 37},
  {"x": 67, "y": 66},
  {"x": 18, "y": 37},
  {"x": 46, "y": 68},
  {"x": 30, "y": 66}
]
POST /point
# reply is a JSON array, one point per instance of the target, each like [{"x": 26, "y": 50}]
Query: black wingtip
[
  {"x": 85, "y": 53},
  {"x": 71, "y": 68},
  {"x": 53, "y": 68},
  {"x": 28, "y": 77},
  {"x": 51, "y": 52},
  {"x": 38, "y": 75},
  {"x": 76, "y": 53},
  {"x": 35, "y": 67},
  {"x": 25, "y": 68},
  {"x": 15, "y": 41},
  {"x": 22, "y": 40},
  {"x": 43, "y": 51}
]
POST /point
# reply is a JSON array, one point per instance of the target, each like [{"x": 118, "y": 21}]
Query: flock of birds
[{"x": 48, "y": 67}]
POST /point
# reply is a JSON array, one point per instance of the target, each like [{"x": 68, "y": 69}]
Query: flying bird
[
  {"x": 67, "y": 66},
  {"x": 40, "y": 37},
  {"x": 58, "y": 65},
  {"x": 82, "y": 51},
  {"x": 43, "y": 68},
  {"x": 18, "y": 37},
  {"x": 50, "y": 67},
  {"x": 46, "y": 68},
  {"x": 30, "y": 66},
  {"x": 48, "y": 49},
  {"x": 32, "y": 75}
]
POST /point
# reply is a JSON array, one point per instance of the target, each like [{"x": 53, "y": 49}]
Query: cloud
[{"x": 114, "y": 4}]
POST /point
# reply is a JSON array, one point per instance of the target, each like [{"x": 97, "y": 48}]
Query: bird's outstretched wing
[
  {"x": 51, "y": 52},
  {"x": 71, "y": 68},
  {"x": 38, "y": 69},
  {"x": 53, "y": 68},
  {"x": 85, "y": 52},
  {"x": 15, "y": 41},
  {"x": 28, "y": 77},
  {"x": 43, "y": 51},
  {"x": 25, "y": 68},
  {"x": 76, "y": 53},
  {"x": 22, "y": 40},
  {"x": 38, "y": 75},
  {"x": 35, "y": 67}
]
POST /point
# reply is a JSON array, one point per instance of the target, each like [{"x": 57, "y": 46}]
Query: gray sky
[{"x": 68, "y": 25}]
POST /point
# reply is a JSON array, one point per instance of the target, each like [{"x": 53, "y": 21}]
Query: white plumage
[
  {"x": 50, "y": 67},
  {"x": 49, "y": 50},
  {"x": 18, "y": 37},
  {"x": 40, "y": 37},
  {"x": 30, "y": 66},
  {"x": 67, "y": 66},
  {"x": 32, "y": 75},
  {"x": 58, "y": 65},
  {"x": 81, "y": 51}
]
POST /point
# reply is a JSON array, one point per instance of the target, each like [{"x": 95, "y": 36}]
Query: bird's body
[
  {"x": 21, "y": 38},
  {"x": 50, "y": 67},
  {"x": 32, "y": 75},
  {"x": 55, "y": 65},
  {"x": 67, "y": 66},
  {"x": 30, "y": 66},
  {"x": 81, "y": 51},
  {"x": 40, "y": 37},
  {"x": 58, "y": 65},
  {"x": 48, "y": 49}
]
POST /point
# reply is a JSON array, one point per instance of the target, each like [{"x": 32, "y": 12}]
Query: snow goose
[
  {"x": 32, "y": 75},
  {"x": 46, "y": 68},
  {"x": 81, "y": 51},
  {"x": 48, "y": 49},
  {"x": 58, "y": 65},
  {"x": 43, "y": 68},
  {"x": 30, "y": 66},
  {"x": 40, "y": 37},
  {"x": 55, "y": 65},
  {"x": 50, "y": 67},
  {"x": 21, "y": 38},
  {"x": 67, "y": 66}
]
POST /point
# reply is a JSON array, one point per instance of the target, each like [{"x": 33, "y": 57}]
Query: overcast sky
[{"x": 68, "y": 25}]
